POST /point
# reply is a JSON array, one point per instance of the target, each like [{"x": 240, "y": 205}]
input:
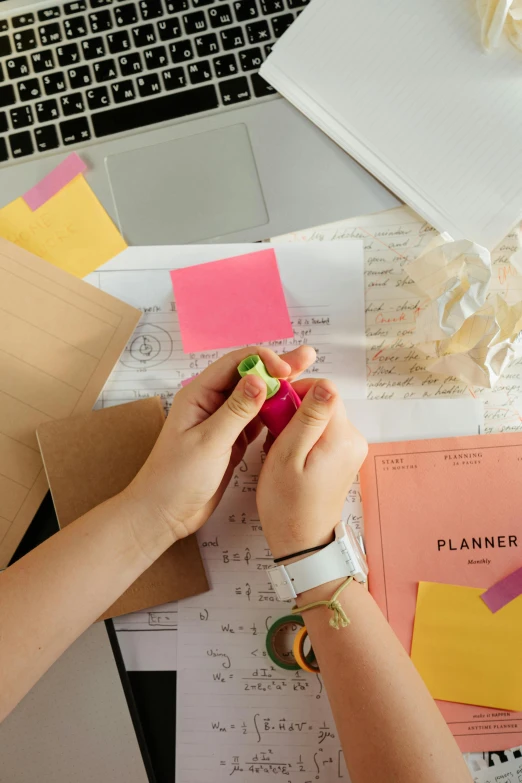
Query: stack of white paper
[{"x": 407, "y": 89}]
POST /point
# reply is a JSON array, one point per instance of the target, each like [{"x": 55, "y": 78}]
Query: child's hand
[
  {"x": 308, "y": 471},
  {"x": 207, "y": 431}
]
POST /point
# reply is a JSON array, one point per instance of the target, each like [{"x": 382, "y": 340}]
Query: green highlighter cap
[{"x": 253, "y": 365}]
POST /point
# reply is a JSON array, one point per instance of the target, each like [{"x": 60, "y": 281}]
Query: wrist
[
  {"x": 151, "y": 534},
  {"x": 292, "y": 548}
]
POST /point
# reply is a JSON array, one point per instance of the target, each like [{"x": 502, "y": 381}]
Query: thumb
[
  {"x": 243, "y": 405},
  {"x": 310, "y": 420}
]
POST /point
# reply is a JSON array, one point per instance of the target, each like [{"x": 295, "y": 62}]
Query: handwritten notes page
[{"x": 396, "y": 368}]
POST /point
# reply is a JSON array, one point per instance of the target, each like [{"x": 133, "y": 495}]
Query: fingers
[
  {"x": 239, "y": 409},
  {"x": 222, "y": 375},
  {"x": 310, "y": 421},
  {"x": 343, "y": 438}
]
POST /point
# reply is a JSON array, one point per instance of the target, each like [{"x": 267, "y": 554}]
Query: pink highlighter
[{"x": 281, "y": 400}]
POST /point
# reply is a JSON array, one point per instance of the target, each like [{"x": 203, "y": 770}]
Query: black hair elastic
[{"x": 298, "y": 554}]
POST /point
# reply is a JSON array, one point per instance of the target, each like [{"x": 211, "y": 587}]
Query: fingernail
[
  {"x": 252, "y": 390},
  {"x": 321, "y": 393}
]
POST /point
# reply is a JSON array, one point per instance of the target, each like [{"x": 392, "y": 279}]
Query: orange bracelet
[{"x": 298, "y": 651}]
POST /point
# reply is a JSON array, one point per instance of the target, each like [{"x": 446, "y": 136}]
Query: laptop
[{"x": 184, "y": 140}]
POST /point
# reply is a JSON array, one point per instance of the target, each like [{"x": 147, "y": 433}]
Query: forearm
[
  {"x": 389, "y": 726},
  {"x": 50, "y": 596}
]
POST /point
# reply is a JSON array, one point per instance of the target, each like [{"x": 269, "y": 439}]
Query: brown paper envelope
[
  {"x": 59, "y": 341},
  {"x": 89, "y": 459}
]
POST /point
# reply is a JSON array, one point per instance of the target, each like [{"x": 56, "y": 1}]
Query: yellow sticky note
[
  {"x": 71, "y": 230},
  {"x": 463, "y": 651}
]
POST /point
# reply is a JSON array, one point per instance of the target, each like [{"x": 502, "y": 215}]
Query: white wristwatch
[{"x": 342, "y": 558}]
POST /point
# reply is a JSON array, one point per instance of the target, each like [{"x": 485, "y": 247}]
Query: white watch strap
[{"x": 332, "y": 562}]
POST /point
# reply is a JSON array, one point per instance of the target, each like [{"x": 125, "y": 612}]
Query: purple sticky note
[
  {"x": 503, "y": 592},
  {"x": 235, "y": 301},
  {"x": 57, "y": 179}
]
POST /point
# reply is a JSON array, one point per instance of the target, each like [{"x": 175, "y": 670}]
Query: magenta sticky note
[
  {"x": 186, "y": 381},
  {"x": 503, "y": 592},
  {"x": 231, "y": 302},
  {"x": 57, "y": 179}
]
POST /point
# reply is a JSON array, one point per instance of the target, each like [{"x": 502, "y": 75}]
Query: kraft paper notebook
[
  {"x": 59, "y": 341},
  {"x": 445, "y": 511},
  {"x": 407, "y": 89},
  {"x": 89, "y": 459}
]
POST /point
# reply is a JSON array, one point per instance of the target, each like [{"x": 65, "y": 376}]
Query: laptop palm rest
[{"x": 188, "y": 190}]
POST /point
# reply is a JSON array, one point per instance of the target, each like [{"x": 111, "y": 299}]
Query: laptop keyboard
[{"x": 89, "y": 69}]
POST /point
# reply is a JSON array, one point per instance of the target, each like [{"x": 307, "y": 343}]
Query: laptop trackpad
[{"x": 188, "y": 190}]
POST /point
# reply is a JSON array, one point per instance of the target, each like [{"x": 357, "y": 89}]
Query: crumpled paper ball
[{"x": 500, "y": 16}]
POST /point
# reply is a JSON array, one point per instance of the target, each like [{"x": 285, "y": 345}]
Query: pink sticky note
[
  {"x": 235, "y": 301},
  {"x": 60, "y": 176},
  {"x": 503, "y": 592},
  {"x": 186, "y": 381}
]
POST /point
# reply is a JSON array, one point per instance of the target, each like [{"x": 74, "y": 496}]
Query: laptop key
[
  {"x": 75, "y": 131},
  {"x": 144, "y": 35},
  {"x": 17, "y": 67},
  {"x": 176, "y": 6},
  {"x": 195, "y": 22},
  {"x": 3, "y": 122},
  {"x": 46, "y": 138},
  {"x": 1, "y": 73},
  {"x": 5, "y": 46},
  {"x": 21, "y": 144},
  {"x": 22, "y": 21},
  {"x": 161, "y": 109},
  {"x": 53, "y": 83},
  {"x": 125, "y": 14},
  {"x": 280, "y": 24},
  {"x": 199, "y": 72},
  {"x": 100, "y": 22},
  {"x": 76, "y": 27},
  {"x": 72, "y": 104},
  {"x": 97, "y": 98},
  {"x": 68, "y": 54},
  {"x": 25, "y": 40},
  {"x": 261, "y": 86},
  {"x": 79, "y": 77},
  {"x": 199, "y": 3},
  {"x": 168, "y": 29},
  {"x": 148, "y": 84},
  {"x": 130, "y": 63},
  {"x": 76, "y": 7},
  {"x": 272, "y": 6},
  {"x": 123, "y": 91},
  {"x": 226, "y": 65},
  {"x": 105, "y": 70},
  {"x": 100, "y": 3},
  {"x": 206, "y": 44},
  {"x": 4, "y": 155},
  {"x": 29, "y": 89},
  {"x": 93, "y": 48},
  {"x": 150, "y": 9},
  {"x": 234, "y": 90},
  {"x": 181, "y": 52},
  {"x": 232, "y": 38},
  {"x": 174, "y": 78},
  {"x": 258, "y": 32},
  {"x": 220, "y": 16},
  {"x": 297, "y": 3},
  {"x": 43, "y": 61},
  {"x": 21, "y": 117},
  {"x": 245, "y": 10},
  {"x": 46, "y": 110},
  {"x": 50, "y": 33},
  {"x": 4, "y": 25},
  {"x": 118, "y": 42},
  {"x": 155, "y": 58},
  {"x": 251, "y": 59},
  {"x": 49, "y": 13}
]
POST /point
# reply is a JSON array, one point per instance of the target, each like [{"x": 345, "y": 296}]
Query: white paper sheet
[
  {"x": 324, "y": 288},
  {"x": 413, "y": 97},
  {"x": 237, "y": 713},
  {"x": 508, "y": 772},
  {"x": 396, "y": 368}
]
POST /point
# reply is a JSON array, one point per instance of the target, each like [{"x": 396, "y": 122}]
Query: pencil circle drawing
[{"x": 149, "y": 346}]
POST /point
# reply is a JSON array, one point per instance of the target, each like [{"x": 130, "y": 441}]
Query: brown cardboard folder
[{"x": 91, "y": 458}]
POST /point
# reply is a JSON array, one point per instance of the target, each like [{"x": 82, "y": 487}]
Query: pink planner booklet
[{"x": 447, "y": 510}]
